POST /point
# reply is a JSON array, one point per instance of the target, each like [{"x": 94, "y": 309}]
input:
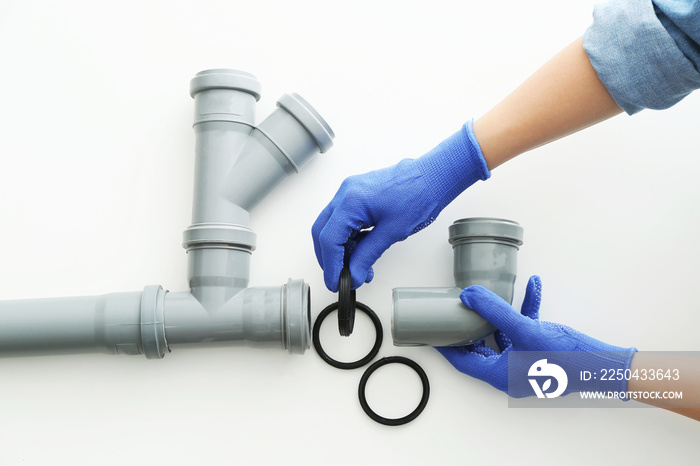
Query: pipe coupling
[
  {"x": 153, "y": 322},
  {"x": 296, "y": 302},
  {"x": 219, "y": 235}
]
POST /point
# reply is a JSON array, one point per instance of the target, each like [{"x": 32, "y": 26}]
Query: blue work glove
[
  {"x": 569, "y": 349},
  {"x": 394, "y": 203}
]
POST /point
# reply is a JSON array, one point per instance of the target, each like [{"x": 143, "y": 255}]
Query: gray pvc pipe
[
  {"x": 116, "y": 323},
  {"x": 236, "y": 166},
  {"x": 224, "y": 116},
  {"x": 485, "y": 253},
  {"x": 280, "y": 146},
  {"x": 262, "y": 317}
]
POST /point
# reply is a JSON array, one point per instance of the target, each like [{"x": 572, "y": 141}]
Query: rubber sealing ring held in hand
[
  {"x": 346, "y": 304},
  {"x": 348, "y": 365},
  {"x": 402, "y": 420}
]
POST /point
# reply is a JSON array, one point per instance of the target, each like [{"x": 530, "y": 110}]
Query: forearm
[
  {"x": 562, "y": 97},
  {"x": 687, "y": 371}
]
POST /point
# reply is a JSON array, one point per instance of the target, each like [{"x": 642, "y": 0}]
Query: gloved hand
[
  {"x": 575, "y": 352},
  {"x": 394, "y": 202}
]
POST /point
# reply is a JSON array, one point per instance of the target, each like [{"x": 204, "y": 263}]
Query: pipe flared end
[
  {"x": 153, "y": 323},
  {"x": 278, "y": 147},
  {"x": 309, "y": 118},
  {"x": 222, "y": 78},
  {"x": 485, "y": 229},
  {"x": 296, "y": 316},
  {"x": 219, "y": 235}
]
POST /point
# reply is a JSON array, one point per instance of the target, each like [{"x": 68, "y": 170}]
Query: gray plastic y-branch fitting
[
  {"x": 485, "y": 253},
  {"x": 236, "y": 165}
]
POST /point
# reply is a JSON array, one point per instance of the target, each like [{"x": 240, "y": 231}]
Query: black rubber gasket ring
[
  {"x": 346, "y": 304},
  {"x": 348, "y": 365},
  {"x": 402, "y": 420}
]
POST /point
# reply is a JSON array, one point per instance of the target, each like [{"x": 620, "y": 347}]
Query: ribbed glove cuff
[{"x": 454, "y": 165}]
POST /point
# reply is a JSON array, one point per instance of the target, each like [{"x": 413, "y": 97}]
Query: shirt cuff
[{"x": 637, "y": 60}]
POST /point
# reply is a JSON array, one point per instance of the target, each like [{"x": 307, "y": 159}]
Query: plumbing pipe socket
[
  {"x": 236, "y": 165},
  {"x": 485, "y": 253}
]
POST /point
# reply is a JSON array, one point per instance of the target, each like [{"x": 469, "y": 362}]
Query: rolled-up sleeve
[{"x": 646, "y": 54}]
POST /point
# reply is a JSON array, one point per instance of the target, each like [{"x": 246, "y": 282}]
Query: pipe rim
[
  {"x": 295, "y": 316},
  {"x": 485, "y": 229},
  {"x": 309, "y": 118},
  {"x": 223, "y": 78},
  {"x": 219, "y": 234},
  {"x": 153, "y": 338}
]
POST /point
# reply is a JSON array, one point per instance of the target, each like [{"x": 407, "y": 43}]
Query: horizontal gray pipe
[
  {"x": 261, "y": 317},
  {"x": 111, "y": 324},
  {"x": 435, "y": 317},
  {"x": 154, "y": 322},
  {"x": 236, "y": 166}
]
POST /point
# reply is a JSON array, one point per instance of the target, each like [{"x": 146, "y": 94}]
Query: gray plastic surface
[
  {"x": 280, "y": 146},
  {"x": 261, "y": 317},
  {"x": 236, "y": 166},
  {"x": 94, "y": 324},
  {"x": 485, "y": 253}
]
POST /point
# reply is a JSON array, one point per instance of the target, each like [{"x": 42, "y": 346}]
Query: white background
[{"x": 97, "y": 149}]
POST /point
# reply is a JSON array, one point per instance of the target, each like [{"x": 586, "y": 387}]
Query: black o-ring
[
  {"x": 348, "y": 365},
  {"x": 402, "y": 420},
  {"x": 346, "y": 303}
]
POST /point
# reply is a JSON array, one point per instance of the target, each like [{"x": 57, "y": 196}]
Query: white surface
[{"x": 96, "y": 139}]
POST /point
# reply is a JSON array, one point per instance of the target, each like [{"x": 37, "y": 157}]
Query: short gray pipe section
[
  {"x": 262, "y": 317},
  {"x": 485, "y": 253},
  {"x": 236, "y": 166},
  {"x": 92, "y": 324},
  {"x": 279, "y": 147}
]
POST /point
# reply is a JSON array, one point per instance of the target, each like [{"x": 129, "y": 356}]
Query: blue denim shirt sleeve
[{"x": 647, "y": 54}]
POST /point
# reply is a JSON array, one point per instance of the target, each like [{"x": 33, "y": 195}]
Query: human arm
[
  {"x": 686, "y": 367},
  {"x": 391, "y": 204},
  {"x": 562, "y": 97},
  {"x": 635, "y": 55}
]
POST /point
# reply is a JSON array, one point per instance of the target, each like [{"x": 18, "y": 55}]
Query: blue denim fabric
[
  {"x": 682, "y": 21},
  {"x": 647, "y": 54}
]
